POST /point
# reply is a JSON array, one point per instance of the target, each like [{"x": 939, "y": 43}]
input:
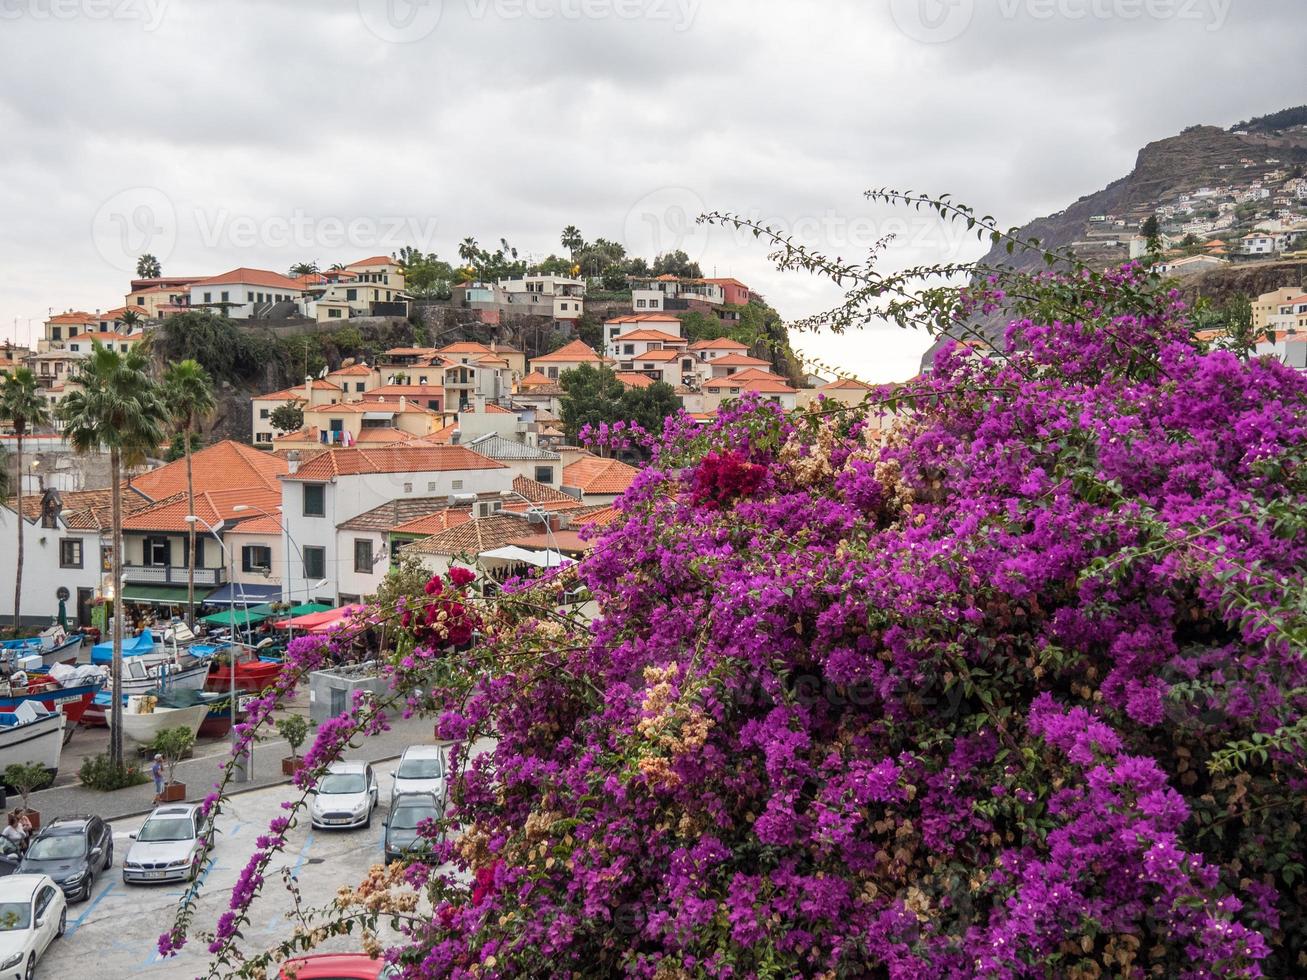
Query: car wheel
[
  {"x": 368, "y": 822},
  {"x": 108, "y": 856},
  {"x": 63, "y": 918},
  {"x": 30, "y": 973}
]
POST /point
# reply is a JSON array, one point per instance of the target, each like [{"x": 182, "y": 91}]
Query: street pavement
[{"x": 113, "y": 934}]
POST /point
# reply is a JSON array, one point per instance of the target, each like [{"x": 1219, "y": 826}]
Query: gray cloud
[{"x": 255, "y": 119}]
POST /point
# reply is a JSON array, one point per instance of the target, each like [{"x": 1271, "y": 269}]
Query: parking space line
[
  {"x": 77, "y": 922},
  {"x": 304, "y": 853}
]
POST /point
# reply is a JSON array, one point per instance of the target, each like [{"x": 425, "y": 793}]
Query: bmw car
[
  {"x": 168, "y": 847},
  {"x": 345, "y": 797},
  {"x": 72, "y": 851}
]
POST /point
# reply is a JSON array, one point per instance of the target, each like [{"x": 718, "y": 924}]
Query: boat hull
[
  {"x": 64, "y": 651},
  {"x": 40, "y": 741},
  {"x": 45, "y": 691},
  {"x": 250, "y": 676},
  {"x": 141, "y": 729}
]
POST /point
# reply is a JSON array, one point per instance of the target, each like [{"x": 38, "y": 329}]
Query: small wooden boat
[
  {"x": 252, "y": 672},
  {"x": 54, "y": 646},
  {"x": 31, "y": 733},
  {"x": 144, "y": 718},
  {"x": 72, "y": 690}
]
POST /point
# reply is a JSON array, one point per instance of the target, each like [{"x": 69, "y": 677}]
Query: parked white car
[
  {"x": 345, "y": 796},
  {"x": 421, "y": 769},
  {"x": 33, "y": 914},
  {"x": 168, "y": 847}
]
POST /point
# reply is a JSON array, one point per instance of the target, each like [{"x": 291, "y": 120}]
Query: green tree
[
  {"x": 591, "y": 395},
  {"x": 572, "y": 240},
  {"x": 188, "y": 396},
  {"x": 676, "y": 263},
  {"x": 177, "y": 446},
  {"x": 287, "y": 418},
  {"x": 469, "y": 251},
  {"x": 116, "y": 407},
  {"x": 131, "y": 320},
  {"x": 147, "y": 267},
  {"x": 649, "y": 407},
  {"x": 303, "y": 269},
  {"x": 614, "y": 278},
  {"x": 1152, "y": 231},
  {"x": 22, "y": 403},
  {"x": 209, "y": 338}
]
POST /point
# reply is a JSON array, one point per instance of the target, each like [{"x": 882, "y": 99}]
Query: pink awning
[{"x": 318, "y": 622}]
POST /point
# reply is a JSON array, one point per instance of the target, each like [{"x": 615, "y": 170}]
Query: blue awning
[{"x": 236, "y": 594}]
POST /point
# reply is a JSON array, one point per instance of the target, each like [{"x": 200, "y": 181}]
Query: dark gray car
[
  {"x": 407, "y": 813},
  {"x": 72, "y": 851}
]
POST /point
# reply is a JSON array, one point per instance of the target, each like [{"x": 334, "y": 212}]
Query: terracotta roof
[
  {"x": 394, "y": 513},
  {"x": 533, "y": 379},
  {"x": 590, "y": 474},
  {"x": 727, "y": 282},
  {"x": 250, "y": 277},
  {"x": 539, "y": 493},
  {"x": 86, "y": 510},
  {"x": 575, "y": 351},
  {"x": 412, "y": 351},
  {"x": 108, "y": 335},
  {"x": 845, "y": 384},
  {"x": 633, "y": 379},
  {"x": 757, "y": 374},
  {"x": 74, "y": 317},
  {"x": 465, "y": 347},
  {"x": 442, "y": 520},
  {"x": 490, "y": 409},
  {"x": 740, "y": 360},
  {"x": 600, "y": 517},
  {"x": 353, "y": 371},
  {"x": 441, "y": 437},
  {"x": 259, "y": 524},
  {"x": 414, "y": 457},
  {"x": 225, "y": 465},
  {"x": 649, "y": 335},
  {"x": 385, "y": 435},
  {"x": 408, "y": 391},
  {"x": 721, "y": 343},
  {"x": 645, "y": 318},
  {"x": 475, "y": 536},
  {"x": 659, "y": 354},
  {"x": 296, "y": 393},
  {"x": 213, "y": 506},
  {"x": 121, "y": 311},
  {"x": 763, "y": 386},
  {"x": 374, "y": 260},
  {"x": 391, "y": 405}
]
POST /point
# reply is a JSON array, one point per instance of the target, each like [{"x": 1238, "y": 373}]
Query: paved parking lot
[{"x": 113, "y": 934}]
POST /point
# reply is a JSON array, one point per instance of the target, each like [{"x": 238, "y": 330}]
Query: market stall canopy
[
  {"x": 239, "y": 617},
  {"x": 156, "y": 595},
  {"x": 541, "y": 559},
  {"x": 243, "y": 594},
  {"x": 307, "y": 607},
  {"x": 318, "y": 622}
]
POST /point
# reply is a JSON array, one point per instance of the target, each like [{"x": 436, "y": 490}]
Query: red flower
[{"x": 461, "y": 576}]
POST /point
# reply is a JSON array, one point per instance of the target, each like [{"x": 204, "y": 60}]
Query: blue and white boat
[{"x": 55, "y": 646}]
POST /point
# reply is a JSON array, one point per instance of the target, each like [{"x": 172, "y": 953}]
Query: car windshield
[
  {"x": 15, "y": 915},
  {"x": 342, "y": 782},
  {"x": 408, "y": 817},
  {"x": 429, "y": 768},
  {"x": 57, "y": 848},
  {"x": 167, "y": 828}
]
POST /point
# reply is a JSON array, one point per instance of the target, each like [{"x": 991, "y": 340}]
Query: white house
[
  {"x": 556, "y": 296},
  {"x": 340, "y": 484},
  {"x": 664, "y": 323},
  {"x": 245, "y": 294}
]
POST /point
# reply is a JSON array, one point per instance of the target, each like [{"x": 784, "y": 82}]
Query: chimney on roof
[
  {"x": 403, "y": 403},
  {"x": 293, "y": 462},
  {"x": 308, "y": 389}
]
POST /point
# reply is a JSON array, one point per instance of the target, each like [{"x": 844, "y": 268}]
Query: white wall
[
  {"x": 42, "y": 575},
  {"x": 361, "y": 583}
]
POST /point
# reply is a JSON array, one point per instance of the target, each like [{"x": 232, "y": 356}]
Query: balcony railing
[{"x": 172, "y": 575}]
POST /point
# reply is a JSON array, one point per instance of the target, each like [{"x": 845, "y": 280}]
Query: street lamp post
[
  {"x": 244, "y": 765},
  {"x": 290, "y": 591},
  {"x": 535, "y": 510}
]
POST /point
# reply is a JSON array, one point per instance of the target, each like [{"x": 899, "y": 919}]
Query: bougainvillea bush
[{"x": 1000, "y": 675}]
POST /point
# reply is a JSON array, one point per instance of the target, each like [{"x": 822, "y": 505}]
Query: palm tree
[
  {"x": 572, "y": 240},
  {"x": 116, "y": 408},
  {"x": 468, "y": 249},
  {"x": 304, "y": 269},
  {"x": 336, "y": 267},
  {"x": 147, "y": 267},
  {"x": 22, "y": 403},
  {"x": 131, "y": 320},
  {"x": 188, "y": 395}
]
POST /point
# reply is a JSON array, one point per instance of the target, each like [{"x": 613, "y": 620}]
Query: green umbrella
[{"x": 63, "y": 614}]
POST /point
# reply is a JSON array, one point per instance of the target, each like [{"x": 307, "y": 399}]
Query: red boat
[
  {"x": 252, "y": 674},
  {"x": 45, "y": 689}
]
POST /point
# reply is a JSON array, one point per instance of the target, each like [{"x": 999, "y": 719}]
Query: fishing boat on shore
[
  {"x": 149, "y": 667},
  {"x": 31, "y": 733},
  {"x": 145, "y": 717},
  {"x": 70, "y": 689},
  {"x": 253, "y": 673},
  {"x": 54, "y": 646}
]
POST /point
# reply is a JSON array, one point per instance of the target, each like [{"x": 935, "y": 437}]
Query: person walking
[{"x": 156, "y": 771}]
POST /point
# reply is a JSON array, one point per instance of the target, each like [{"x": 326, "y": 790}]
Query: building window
[
  {"x": 157, "y": 553},
  {"x": 208, "y": 297},
  {"x": 544, "y": 474},
  {"x": 106, "y": 558},
  {"x": 408, "y": 488},
  {"x": 70, "y": 553},
  {"x": 358, "y": 385},
  {"x": 553, "y": 373},
  {"x": 263, "y": 437},
  {"x": 456, "y": 485},
  {"x": 351, "y": 294},
  {"x": 256, "y": 558},
  {"x": 264, "y": 412},
  {"x": 315, "y": 500},
  {"x": 629, "y": 350},
  {"x": 315, "y": 562},
  {"x": 56, "y": 333},
  {"x": 363, "y": 556},
  {"x": 199, "y": 551},
  {"x": 333, "y": 314},
  {"x": 225, "y": 296}
]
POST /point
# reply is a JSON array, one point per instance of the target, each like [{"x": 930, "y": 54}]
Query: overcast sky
[{"x": 222, "y": 133}]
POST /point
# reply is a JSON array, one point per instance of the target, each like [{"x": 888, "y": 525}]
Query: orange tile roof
[
  {"x": 633, "y": 379},
  {"x": 73, "y": 317},
  {"x": 251, "y": 277},
  {"x": 259, "y": 524},
  {"x": 121, "y": 311},
  {"x": 845, "y": 384},
  {"x": 739, "y": 360},
  {"x": 591, "y": 474},
  {"x": 414, "y": 457},
  {"x": 475, "y": 536},
  {"x": 603, "y": 517},
  {"x": 108, "y": 335},
  {"x": 441, "y": 437},
  {"x": 225, "y": 465},
  {"x": 490, "y": 409},
  {"x": 85, "y": 510},
  {"x": 540, "y": 493},
  {"x": 395, "y": 513},
  {"x": 756, "y": 374},
  {"x": 650, "y": 335},
  {"x": 644, "y": 318},
  {"x": 374, "y": 260},
  {"x": 658, "y": 354},
  {"x": 296, "y": 393},
  {"x": 465, "y": 347},
  {"x": 763, "y": 386},
  {"x": 721, "y": 343},
  {"x": 727, "y": 282},
  {"x": 431, "y": 524},
  {"x": 373, "y": 405},
  {"x": 385, "y": 435},
  {"x": 532, "y": 379},
  {"x": 353, "y": 371},
  {"x": 408, "y": 391},
  {"x": 412, "y": 351},
  {"x": 214, "y": 506},
  {"x": 575, "y": 351}
]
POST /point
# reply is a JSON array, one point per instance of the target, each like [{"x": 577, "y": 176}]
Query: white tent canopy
[{"x": 541, "y": 559}]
